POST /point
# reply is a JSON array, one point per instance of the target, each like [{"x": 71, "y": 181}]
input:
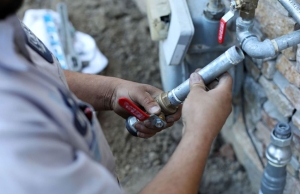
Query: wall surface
[{"x": 272, "y": 95}]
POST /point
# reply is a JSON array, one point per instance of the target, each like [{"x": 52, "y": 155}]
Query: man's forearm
[
  {"x": 94, "y": 89},
  {"x": 182, "y": 174}
]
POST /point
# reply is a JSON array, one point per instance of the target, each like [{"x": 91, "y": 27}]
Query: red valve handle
[
  {"x": 223, "y": 24},
  {"x": 133, "y": 109},
  {"x": 222, "y": 30}
]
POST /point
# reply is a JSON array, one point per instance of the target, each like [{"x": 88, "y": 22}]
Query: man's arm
[
  {"x": 103, "y": 93},
  {"x": 204, "y": 114},
  {"x": 96, "y": 90}
]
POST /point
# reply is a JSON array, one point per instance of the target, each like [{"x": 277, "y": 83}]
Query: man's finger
[
  {"x": 198, "y": 69},
  {"x": 152, "y": 90},
  {"x": 213, "y": 84},
  {"x": 147, "y": 101},
  {"x": 174, "y": 117},
  {"x": 196, "y": 81},
  {"x": 148, "y": 127},
  {"x": 225, "y": 82},
  {"x": 145, "y": 136}
]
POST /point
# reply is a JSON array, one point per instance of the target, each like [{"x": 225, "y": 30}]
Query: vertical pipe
[
  {"x": 278, "y": 153},
  {"x": 214, "y": 4}
]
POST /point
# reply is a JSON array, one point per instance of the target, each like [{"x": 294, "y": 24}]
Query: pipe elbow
[{"x": 259, "y": 50}]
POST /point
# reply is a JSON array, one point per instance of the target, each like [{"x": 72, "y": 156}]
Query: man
[{"x": 51, "y": 143}]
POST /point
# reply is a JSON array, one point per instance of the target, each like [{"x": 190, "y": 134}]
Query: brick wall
[{"x": 271, "y": 90}]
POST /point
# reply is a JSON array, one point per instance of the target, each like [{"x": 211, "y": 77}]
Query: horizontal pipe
[
  {"x": 292, "y": 7},
  {"x": 288, "y": 40},
  {"x": 223, "y": 63}
]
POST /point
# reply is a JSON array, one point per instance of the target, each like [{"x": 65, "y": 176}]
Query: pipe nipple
[
  {"x": 282, "y": 131},
  {"x": 235, "y": 55}
]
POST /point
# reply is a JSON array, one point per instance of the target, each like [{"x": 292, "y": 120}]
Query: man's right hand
[
  {"x": 204, "y": 113},
  {"x": 208, "y": 109}
]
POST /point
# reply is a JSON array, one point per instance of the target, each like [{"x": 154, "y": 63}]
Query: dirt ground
[{"x": 122, "y": 34}]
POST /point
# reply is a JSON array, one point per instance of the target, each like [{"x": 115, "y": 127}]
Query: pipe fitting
[
  {"x": 279, "y": 152},
  {"x": 250, "y": 43},
  {"x": 165, "y": 104},
  {"x": 266, "y": 49},
  {"x": 256, "y": 49},
  {"x": 243, "y": 29},
  {"x": 279, "y": 156}
]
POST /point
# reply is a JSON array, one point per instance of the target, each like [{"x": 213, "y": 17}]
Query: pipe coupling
[
  {"x": 281, "y": 136},
  {"x": 165, "y": 104},
  {"x": 243, "y": 28},
  {"x": 234, "y": 55},
  {"x": 279, "y": 152}
]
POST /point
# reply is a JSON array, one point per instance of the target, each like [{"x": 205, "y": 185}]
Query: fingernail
[
  {"x": 195, "y": 78},
  {"x": 154, "y": 109}
]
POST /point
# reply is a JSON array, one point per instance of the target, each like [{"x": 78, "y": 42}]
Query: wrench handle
[{"x": 133, "y": 109}]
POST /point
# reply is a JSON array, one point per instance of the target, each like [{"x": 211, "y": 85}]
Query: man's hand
[
  {"x": 208, "y": 109},
  {"x": 144, "y": 96},
  {"x": 104, "y": 92},
  {"x": 204, "y": 114}
]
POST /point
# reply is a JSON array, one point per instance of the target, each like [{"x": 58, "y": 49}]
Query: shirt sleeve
[{"x": 35, "y": 156}]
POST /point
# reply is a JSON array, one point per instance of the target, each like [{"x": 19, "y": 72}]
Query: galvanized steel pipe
[
  {"x": 292, "y": 7},
  {"x": 288, "y": 40},
  {"x": 223, "y": 63}
]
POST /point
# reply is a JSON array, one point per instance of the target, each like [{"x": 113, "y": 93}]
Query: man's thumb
[{"x": 196, "y": 81}]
